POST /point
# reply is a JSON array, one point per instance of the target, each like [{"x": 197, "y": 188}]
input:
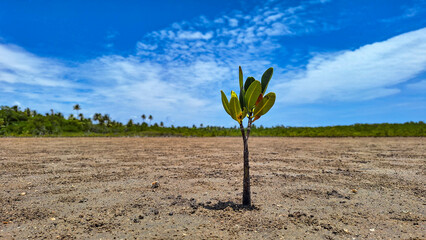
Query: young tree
[{"x": 251, "y": 103}]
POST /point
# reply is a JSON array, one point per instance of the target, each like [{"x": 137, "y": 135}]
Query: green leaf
[
  {"x": 248, "y": 82},
  {"x": 225, "y": 102},
  {"x": 265, "y": 105},
  {"x": 235, "y": 109},
  {"x": 266, "y": 77},
  {"x": 241, "y": 77},
  {"x": 233, "y": 94},
  {"x": 244, "y": 114},
  {"x": 252, "y": 95},
  {"x": 242, "y": 102}
]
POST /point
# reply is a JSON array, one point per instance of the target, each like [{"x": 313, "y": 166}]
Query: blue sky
[{"x": 335, "y": 62}]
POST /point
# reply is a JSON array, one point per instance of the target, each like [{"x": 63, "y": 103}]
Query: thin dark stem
[
  {"x": 243, "y": 132},
  {"x": 250, "y": 120},
  {"x": 246, "y": 179}
]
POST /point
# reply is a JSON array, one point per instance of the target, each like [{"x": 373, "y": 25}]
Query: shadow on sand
[{"x": 223, "y": 205}]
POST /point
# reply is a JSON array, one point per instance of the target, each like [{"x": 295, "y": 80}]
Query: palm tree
[
  {"x": 77, "y": 108},
  {"x": 150, "y": 119},
  {"x": 161, "y": 124},
  {"x": 28, "y": 112},
  {"x": 107, "y": 119},
  {"x": 98, "y": 117},
  {"x": 143, "y": 117},
  {"x": 81, "y": 116}
]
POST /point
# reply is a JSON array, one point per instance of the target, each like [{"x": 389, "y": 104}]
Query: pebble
[
  {"x": 23, "y": 193},
  {"x": 372, "y": 230},
  {"x": 155, "y": 211},
  {"x": 155, "y": 184}
]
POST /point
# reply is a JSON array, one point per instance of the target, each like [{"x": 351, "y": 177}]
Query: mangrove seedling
[{"x": 251, "y": 103}]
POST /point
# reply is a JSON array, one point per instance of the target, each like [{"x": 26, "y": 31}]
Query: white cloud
[
  {"x": 149, "y": 87},
  {"x": 274, "y": 17},
  {"x": 368, "y": 72},
  {"x": 276, "y": 29},
  {"x": 20, "y": 66},
  {"x": 143, "y": 46},
  {"x": 233, "y": 22},
  {"x": 189, "y": 35},
  {"x": 37, "y": 82}
]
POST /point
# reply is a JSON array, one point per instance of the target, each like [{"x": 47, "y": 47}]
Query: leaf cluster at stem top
[{"x": 252, "y": 101}]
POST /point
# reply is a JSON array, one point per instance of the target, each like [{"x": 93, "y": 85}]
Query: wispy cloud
[
  {"x": 20, "y": 66},
  {"x": 194, "y": 35},
  {"x": 408, "y": 12},
  {"x": 41, "y": 83},
  {"x": 369, "y": 72},
  {"x": 124, "y": 83},
  {"x": 417, "y": 86}
]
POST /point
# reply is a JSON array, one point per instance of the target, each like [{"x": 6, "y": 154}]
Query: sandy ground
[{"x": 302, "y": 188}]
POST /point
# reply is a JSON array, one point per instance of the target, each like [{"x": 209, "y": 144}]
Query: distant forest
[{"x": 27, "y": 122}]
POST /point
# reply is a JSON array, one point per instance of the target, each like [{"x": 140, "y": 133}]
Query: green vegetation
[
  {"x": 27, "y": 123},
  {"x": 252, "y": 103}
]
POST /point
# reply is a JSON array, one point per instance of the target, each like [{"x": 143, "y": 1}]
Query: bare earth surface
[{"x": 302, "y": 188}]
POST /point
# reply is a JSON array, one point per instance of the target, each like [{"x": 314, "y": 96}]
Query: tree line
[{"x": 27, "y": 122}]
